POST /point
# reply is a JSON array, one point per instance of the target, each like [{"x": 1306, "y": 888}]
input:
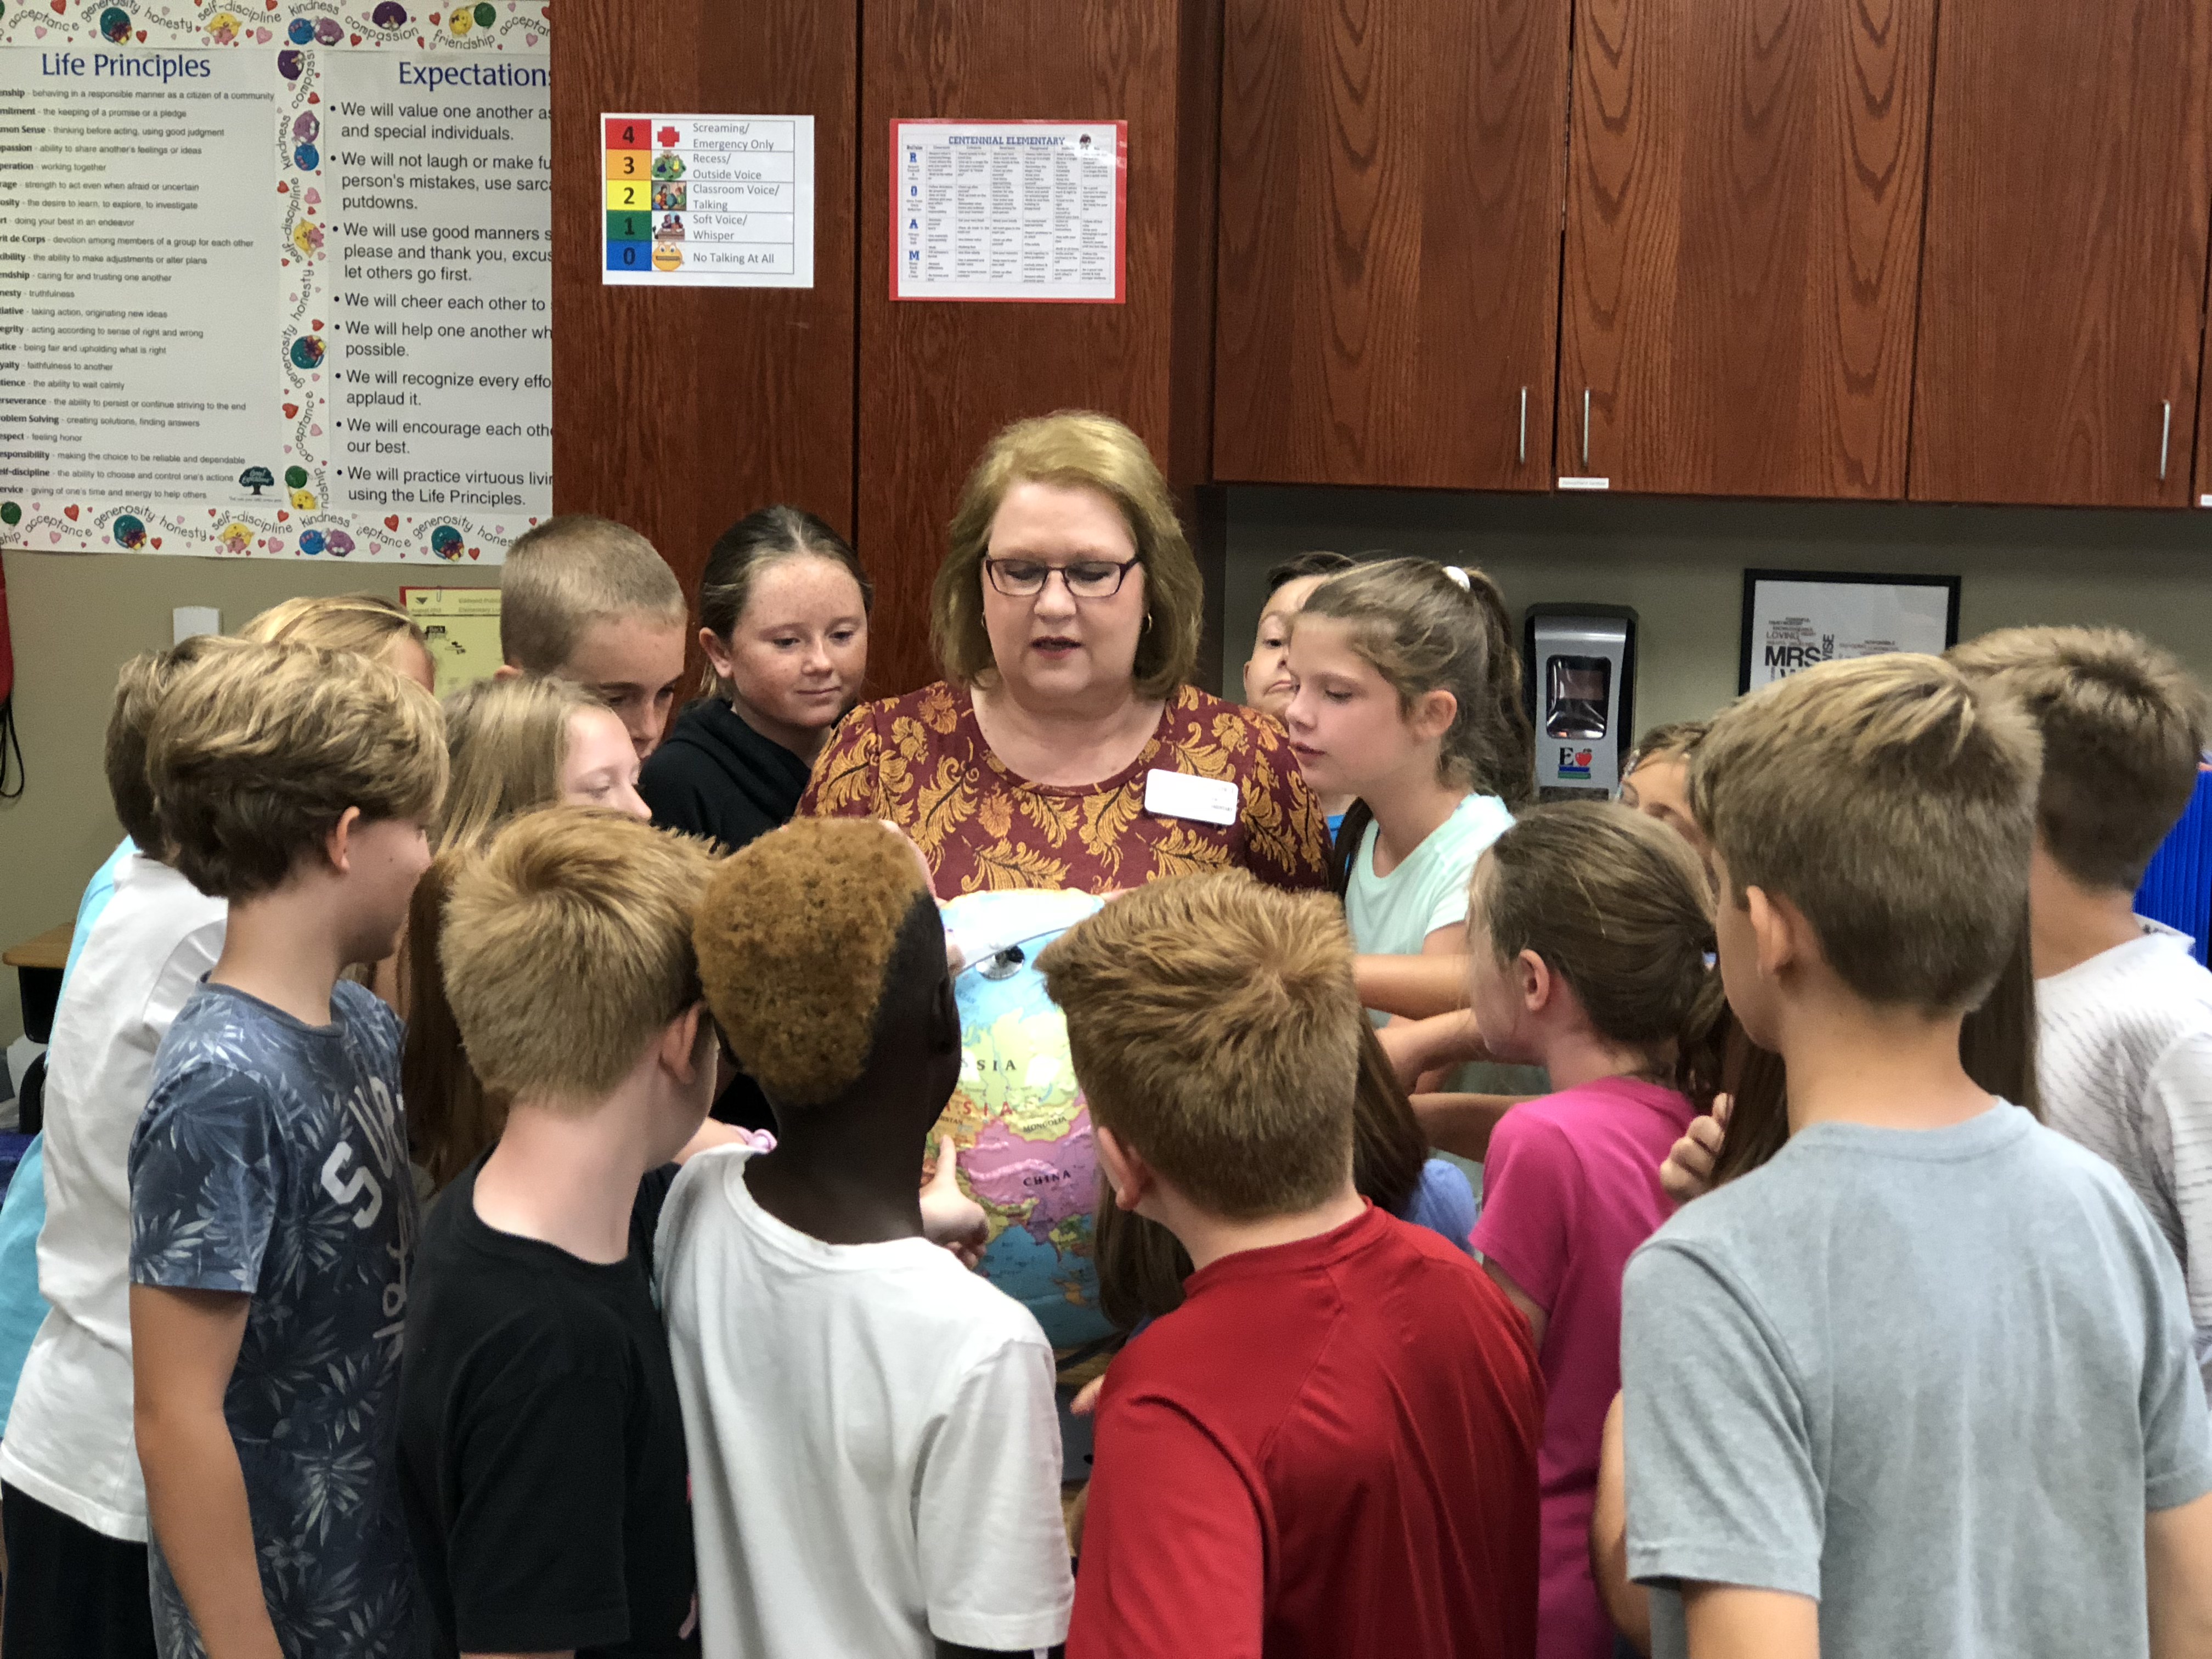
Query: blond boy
[
  {"x": 2124, "y": 1012},
  {"x": 587, "y": 599},
  {"x": 272, "y": 1216},
  {"x": 1921, "y": 1383},
  {"x": 541, "y": 1440},
  {"x": 1331, "y": 1446}
]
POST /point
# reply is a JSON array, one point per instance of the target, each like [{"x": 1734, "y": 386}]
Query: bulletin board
[{"x": 276, "y": 282}]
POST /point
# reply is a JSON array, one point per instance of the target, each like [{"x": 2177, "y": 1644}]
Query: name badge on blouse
[{"x": 1180, "y": 795}]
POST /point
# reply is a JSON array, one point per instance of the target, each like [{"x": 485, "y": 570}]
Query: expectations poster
[{"x": 275, "y": 284}]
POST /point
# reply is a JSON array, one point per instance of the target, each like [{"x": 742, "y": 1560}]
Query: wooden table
[{"x": 38, "y": 964}]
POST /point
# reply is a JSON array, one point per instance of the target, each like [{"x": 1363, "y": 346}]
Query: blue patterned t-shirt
[{"x": 272, "y": 1160}]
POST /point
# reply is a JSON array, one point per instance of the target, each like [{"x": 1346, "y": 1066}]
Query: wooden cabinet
[
  {"x": 681, "y": 410},
  {"x": 1744, "y": 189},
  {"x": 1391, "y": 177},
  {"x": 678, "y": 410},
  {"x": 2063, "y": 283},
  {"x": 937, "y": 380}
]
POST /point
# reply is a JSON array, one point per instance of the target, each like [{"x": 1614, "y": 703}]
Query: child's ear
[
  {"x": 1785, "y": 938},
  {"x": 337, "y": 844},
  {"x": 716, "y": 652},
  {"x": 1534, "y": 977},
  {"x": 1433, "y": 713},
  {"x": 687, "y": 1043},
  {"x": 1126, "y": 1173}
]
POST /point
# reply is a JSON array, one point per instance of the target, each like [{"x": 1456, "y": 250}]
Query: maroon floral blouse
[{"x": 920, "y": 761}]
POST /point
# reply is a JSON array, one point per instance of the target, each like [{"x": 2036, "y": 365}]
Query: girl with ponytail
[
  {"x": 1408, "y": 697},
  {"x": 1589, "y": 940}
]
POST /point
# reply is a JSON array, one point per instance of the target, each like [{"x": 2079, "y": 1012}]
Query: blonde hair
[
  {"x": 140, "y": 689},
  {"x": 1893, "y": 801},
  {"x": 568, "y": 948},
  {"x": 1073, "y": 449},
  {"x": 796, "y": 936},
  {"x": 364, "y": 623},
  {"x": 2123, "y": 728},
  {"x": 1678, "y": 739},
  {"x": 1427, "y": 627},
  {"x": 1215, "y": 1029},
  {"x": 258, "y": 751},
  {"x": 507, "y": 738},
  {"x": 1615, "y": 904},
  {"x": 570, "y": 572}
]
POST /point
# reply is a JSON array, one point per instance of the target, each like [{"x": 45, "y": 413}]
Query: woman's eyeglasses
[{"x": 1088, "y": 579}]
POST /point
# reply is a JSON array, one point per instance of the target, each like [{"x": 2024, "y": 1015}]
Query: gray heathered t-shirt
[{"x": 1932, "y": 1379}]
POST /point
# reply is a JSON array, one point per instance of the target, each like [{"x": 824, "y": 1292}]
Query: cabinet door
[
  {"x": 680, "y": 411},
  {"x": 1391, "y": 172},
  {"x": 2064, "y": 276},
  {"x": 1744, "y": 188},
  {"x": 937, "y": 379}
]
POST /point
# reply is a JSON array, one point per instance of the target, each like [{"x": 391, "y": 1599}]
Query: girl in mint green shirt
[{"x": 1408, "y": 697}]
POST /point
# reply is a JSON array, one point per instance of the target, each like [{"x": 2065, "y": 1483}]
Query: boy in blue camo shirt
[{"x": 272, "y": 1215}]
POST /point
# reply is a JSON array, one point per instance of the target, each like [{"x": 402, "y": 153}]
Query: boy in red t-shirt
[{"x": 1330, "y": 1448}]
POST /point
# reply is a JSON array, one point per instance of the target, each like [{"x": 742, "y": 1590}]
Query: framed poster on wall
[{"x": 1793, "y": 619}]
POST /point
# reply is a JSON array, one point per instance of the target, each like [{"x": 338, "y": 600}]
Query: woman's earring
[{"x": 1147, "y": 628}]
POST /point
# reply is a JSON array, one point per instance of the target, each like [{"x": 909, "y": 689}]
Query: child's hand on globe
[{"x": 949, "y": 1216}]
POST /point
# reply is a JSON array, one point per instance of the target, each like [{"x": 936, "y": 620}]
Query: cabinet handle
[
  {"x": 1585, "y": 428},
  {"x": 1524, "y": 426},
  {"x": 2165, "y": 437}
]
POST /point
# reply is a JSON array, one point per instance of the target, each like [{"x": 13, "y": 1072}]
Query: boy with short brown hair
[
  {"x": 272, "y": 1213},
  {"x": 541, "y": 1449},
  {"x": 2124, "y": 1012},
  {"x": 584, "y": 598},
  {"x": 1840, "y": 1370},
  {"x": 1330, "y": 1448}
]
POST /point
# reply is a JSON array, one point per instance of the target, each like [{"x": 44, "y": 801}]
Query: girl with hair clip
[
  {"x": 783, "y": 613},
  {"x": 1408, "y": 697},
  {"x": 514, "y": 744},
  {"x": 1589, "y": 933}
]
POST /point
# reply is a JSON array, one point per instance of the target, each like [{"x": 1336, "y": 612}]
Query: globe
[
  {"x": 1018, "y": 1117},
  {"x": 1023, "y": 1134}
]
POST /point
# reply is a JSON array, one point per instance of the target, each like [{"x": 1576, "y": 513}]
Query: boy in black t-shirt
[{"x": 542, "y": 1453}]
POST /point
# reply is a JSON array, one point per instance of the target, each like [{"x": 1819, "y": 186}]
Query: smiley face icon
[{"x": 667, "y": 256}]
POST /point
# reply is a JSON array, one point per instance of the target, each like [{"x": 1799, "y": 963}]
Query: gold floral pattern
[{"x": 920, "y": 761}]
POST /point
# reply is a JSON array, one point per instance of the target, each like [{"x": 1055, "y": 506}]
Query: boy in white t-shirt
[
  {"x": 875, "y": 1455},
  {"x": 73, "y": 1502},
  {"x": 2124, "y": 1012}
]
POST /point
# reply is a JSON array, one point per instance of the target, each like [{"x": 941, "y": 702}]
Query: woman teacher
[{"x": 1065, "y": 747}]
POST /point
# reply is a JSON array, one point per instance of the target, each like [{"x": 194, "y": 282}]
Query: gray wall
[
  {"x": 1680, "y": 563},
  {"x": 78, "y": 617}
]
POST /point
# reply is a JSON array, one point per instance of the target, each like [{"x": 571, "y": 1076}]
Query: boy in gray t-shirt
[{"x": 1922, "y": 1384}]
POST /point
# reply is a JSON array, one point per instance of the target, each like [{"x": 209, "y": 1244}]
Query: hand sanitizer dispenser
[{"x": 1580, "y": 670}]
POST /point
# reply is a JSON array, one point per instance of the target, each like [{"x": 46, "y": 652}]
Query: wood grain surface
[
  {"x": 1744, "y": 197},
  {"x": 679, "y": 410},
  {"x": 1391, "y": 179},
  {"x": 2062, "y": 287},
  {"x": 938, "y": 379}
]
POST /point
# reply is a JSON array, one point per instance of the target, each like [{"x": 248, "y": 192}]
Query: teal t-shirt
[
  {"x": 24, "y": 1213},
  {"x": 1390, "y": 915}
]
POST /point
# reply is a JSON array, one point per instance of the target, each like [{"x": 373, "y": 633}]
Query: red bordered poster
[{"x": 1009, "y": 211}]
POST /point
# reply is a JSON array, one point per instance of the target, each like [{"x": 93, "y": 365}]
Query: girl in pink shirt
[{"x": 1589, "y": 937}]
